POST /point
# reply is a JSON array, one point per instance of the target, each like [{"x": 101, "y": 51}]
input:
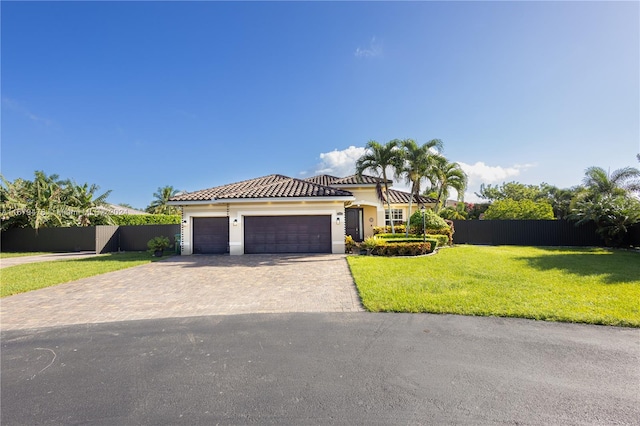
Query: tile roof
[
  {"x": 272, "y": 186},
  {"x": 326, "y": 180},
  {"x": 401, "y": 197},
  {"x": 329, "y": 180}
]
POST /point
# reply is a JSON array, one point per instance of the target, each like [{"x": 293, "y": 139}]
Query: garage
[
  {"x": 210, "y": 235},
  {"x": 287, "y": 234}
]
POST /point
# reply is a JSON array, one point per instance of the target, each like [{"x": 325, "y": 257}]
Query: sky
[{"x": 133, "y": 96}]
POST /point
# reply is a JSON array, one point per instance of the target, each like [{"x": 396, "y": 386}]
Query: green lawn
[
  {"x": 589, "y": 285},
  {"x": 21, "y": 254},
  {"x": 32, "y": 276}
]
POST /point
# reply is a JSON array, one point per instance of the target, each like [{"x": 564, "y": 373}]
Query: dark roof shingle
[
  {"x": 401, "y": 197},
  {"x": 349, "y": 180},
  {"x": 272, "y": 186}
]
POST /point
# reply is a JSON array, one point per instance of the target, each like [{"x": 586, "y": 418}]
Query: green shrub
[
  {"x": 146, "y": 219},
  {"x": 519, "y": 210},
  {"x": 431, "y": 221},
  {"x": 394, "y": 236},
  {"x": 400, "y": 229},
  {"x": 403, "y": 249},
  {"x": 441, "y": 240},
  {"x": 158, "y": 243},
  {"x": 349, "y": 244},
  {"x": 371, "y": 243}
]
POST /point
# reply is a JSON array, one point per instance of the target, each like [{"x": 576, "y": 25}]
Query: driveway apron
[{"x": 185, "y": 286}]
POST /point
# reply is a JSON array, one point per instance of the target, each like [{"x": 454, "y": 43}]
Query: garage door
[
  {"x": 210, "y": 235},
  {"x": 287, "y": 234}
]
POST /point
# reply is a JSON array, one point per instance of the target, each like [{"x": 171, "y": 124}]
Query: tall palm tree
[
  {"x": 378, "y": 158},
  {"x": 448, "y": 175},
  {"x": 621, "y": 182},
  {"x": 418, "y": 165},
  {"x": 159, "y": 204}
]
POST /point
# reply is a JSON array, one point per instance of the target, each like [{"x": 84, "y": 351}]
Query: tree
[
  {"x": 84, "y": 203},
  {"x": 459, "y": 212},
  {"x": 378, "y": 158},
  {"x": 613, "y": 216},
  {"x": 519, "y": 209},
  {"x": 512, "y": 190},
  {"x": 448, "y": 175},
  {"x": 159, "y": 204},
  {"x": 49, "y": 201},
  {"x": 560, "y": 199},
  {"x": 608, "y": 200},
  {"x": 418, "y": 164},
  {"x": 37, "y": 203},
  {"x": 599, "y": 182},
  {"x": 431, "y": 221}
]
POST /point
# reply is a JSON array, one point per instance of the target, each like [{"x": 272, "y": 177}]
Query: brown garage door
[
  {"x": 210, "y": 235},
  {"x": 287, "y": 234}
]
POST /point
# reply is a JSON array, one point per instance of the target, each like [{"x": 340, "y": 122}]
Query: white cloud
[
  {"x": 491, "y": 174},
  {"x": 480, "y": 173},
  {"x": 373, "y": 50},
  {"x": 339, "y": 163}
]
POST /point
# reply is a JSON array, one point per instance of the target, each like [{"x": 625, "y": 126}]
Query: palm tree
[
  {"x": 620, "y": 182},
  {"x": 448, "y": 175},
  {"x": 45, "y": 201},
  {"x": 378, "y": 158},
  {"x": 83, "y": 201},
  {"x": 159, "y": 204},
  {"x": 419, "y": 161}
]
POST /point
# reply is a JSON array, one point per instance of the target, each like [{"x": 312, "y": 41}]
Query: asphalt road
[{"x": 322, "y": 369}]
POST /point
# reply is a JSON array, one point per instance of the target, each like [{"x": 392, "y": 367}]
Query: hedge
[
  {"x": 399, "y": 229},
  {"x": 404, "y": 249},
  {"x": 146, "y": 219},
  {"x": 442, "y": 239}
]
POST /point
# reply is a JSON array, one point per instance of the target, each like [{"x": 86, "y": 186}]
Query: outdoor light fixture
[
  {"x": 235, "y": 222},
  {"x": 338, "y": 221},
  {"x": 424, "y": 224}
]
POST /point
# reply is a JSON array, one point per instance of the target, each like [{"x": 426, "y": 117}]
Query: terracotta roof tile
[
  {"x": 329, "y": 180},
  {"x": 272, "y": 186},
  {"x": 401, "y": 197}
]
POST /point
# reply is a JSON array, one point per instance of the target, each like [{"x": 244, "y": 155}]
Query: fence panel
[
  {"x": 107, "y": 238},
  {"x": 525, "y": 233},
  {"x": 135, "y": 237},
  {"x": 49, "y": 239}
]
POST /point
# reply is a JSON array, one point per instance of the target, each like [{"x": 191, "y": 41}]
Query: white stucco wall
[{"x": 238, "y": 211}]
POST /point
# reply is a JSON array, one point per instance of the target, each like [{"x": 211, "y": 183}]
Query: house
[{"x": 280, "y": 214}]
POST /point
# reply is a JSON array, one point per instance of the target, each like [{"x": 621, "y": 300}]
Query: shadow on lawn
[{"x": 615, "y": 266}]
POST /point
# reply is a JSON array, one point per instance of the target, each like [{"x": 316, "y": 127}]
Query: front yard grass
[
  {"x": 587, "y": 285},
  {"x": 7, "y": 255},
  {"x": 32, "y": 276}
]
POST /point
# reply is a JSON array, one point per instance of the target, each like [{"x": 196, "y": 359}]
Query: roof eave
[{"x": 341, "y": 198}]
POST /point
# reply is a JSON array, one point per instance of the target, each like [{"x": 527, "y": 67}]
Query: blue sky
[{"x": 133, "y": 96}]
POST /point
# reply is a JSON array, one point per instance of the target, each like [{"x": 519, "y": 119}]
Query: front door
[{"x": 354, "y": 224}]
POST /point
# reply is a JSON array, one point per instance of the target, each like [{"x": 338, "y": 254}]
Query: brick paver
[{"x": 184, "y": 286}]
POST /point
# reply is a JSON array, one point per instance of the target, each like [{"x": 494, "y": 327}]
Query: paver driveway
[{"x": 191, "y": 286}]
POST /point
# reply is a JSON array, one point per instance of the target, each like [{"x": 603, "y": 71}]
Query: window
[{"x": 396, "y": 214}]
